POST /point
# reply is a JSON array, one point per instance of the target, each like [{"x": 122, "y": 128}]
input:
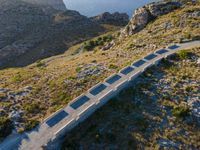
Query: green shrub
[
  {"x": 107, "y": 38},
  {"x": 112, "y": 66},
  {"x": 90, "y": 45},
  {"x": 72, "y": 78},
  {"x": 184, "y": 54},
  {"x": 189, "y": 89},
  {"x": 40, "y": 64},
  {"x": 6, "y": 127},
  {"x": 32, "y": 107},
  {"x": 180, "y": 111},
  {"x": 100, "y": 43},
  {"x": 78, "y": 69},
  {"x": 30, "y": 124},
  {"x": 17, "y": 78}
]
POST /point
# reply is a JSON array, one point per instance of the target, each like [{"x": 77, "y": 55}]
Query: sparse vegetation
[
  {"x": 40, "y": 64},
  {"x": 32, "y": 107},
  {"x": 112, "y": 66},
  {"x": 58, "y": 83},
  {"x": 181, "y": 112},
  {"x": 6, "y": 126},
  {"x": 90, "y": 45},
  {"x": 184, "y": 54},
  {"x": 30, "y": 124},
  {"x": 17, "y": 78},
  {"x": 154, "y": 109},
  {"x": 78, "y": 69}
]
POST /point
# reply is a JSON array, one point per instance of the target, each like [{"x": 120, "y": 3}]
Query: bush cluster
[
  {"x": 30, "y": 124},
  {"x": 6, "y": 127},
  {"x": 40, "y": 64},
  {"x": 90, "y": 45},
  {"x": 184, "y": 54},
  {"x": 17, "y": 78},
  {"x": 32, "y": 107},
  {"x": 180, "y": 112}
]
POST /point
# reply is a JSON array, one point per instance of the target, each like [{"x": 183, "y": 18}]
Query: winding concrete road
[{"x": 82, "y": 107}]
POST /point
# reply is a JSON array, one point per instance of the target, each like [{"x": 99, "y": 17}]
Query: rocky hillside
[
  {"x": 146, "y": 14},
  {"x": 29, "y": 32},
  {"x": 56, "y": 4},
  {"x": 26, "y": 98},
  {"x": 159, "y": 111},
  {"x": 120, "y": 19}
]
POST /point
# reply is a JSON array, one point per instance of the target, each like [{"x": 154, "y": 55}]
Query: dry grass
[
  {"x": 47, "y": 76},
  {"x": 141, "y": 116}
]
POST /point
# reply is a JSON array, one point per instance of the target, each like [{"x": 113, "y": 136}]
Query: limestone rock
[
  {"x": 119, "y": 19},
  {"x": 108, "y": 46},
  {"x": 149, "y": 12}
]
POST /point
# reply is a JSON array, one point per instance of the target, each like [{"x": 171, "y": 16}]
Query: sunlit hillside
[{"x": 41, "y": 88}]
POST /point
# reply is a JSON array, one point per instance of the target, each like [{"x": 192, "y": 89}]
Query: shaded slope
[{"x": 29, "y": 32}]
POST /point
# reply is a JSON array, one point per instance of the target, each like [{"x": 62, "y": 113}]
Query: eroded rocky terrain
[{"x": 116, "y": 18}]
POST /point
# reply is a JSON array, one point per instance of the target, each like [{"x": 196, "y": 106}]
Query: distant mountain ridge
[
  {"x": 29, "y": 32},
  {"x": 56, "y": 4},
  {"x": 116, "y": 18}
]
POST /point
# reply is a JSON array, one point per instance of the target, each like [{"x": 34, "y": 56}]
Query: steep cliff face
[
  {"x": 56, "y": 4},
  {"x": 116, "y": 18},
  {"x": 147, "y": 13}
]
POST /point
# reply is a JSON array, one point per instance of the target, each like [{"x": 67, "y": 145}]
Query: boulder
[
  {"x": 147, "y": 13},
  {"x": 108, "y": 46}
]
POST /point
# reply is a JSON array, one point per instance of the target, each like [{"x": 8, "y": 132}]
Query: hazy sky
[{"x": 94, "y": 7}]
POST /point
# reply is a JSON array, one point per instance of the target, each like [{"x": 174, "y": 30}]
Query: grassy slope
[
  {"x": 47, "y": 77},
  {"x": 153, "y": 111}
]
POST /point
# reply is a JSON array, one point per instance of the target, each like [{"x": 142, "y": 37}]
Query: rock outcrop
[
  {"x": 147, "y": 13},
  {"x": 29, "y": 32},
  {"x": 119, "y": 19},
  {"x": 56, "y": 4}
]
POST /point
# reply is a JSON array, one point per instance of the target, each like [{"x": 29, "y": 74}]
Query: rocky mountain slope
[
  {"x": 26, "y": 98},
  {"x": 146, "y": 14},
  {"x": 29, "y": 32},
  {"x": 116, "y": 18},
  {"x": 31, "y": 29},
  {"x": 56, "y": 4}
]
